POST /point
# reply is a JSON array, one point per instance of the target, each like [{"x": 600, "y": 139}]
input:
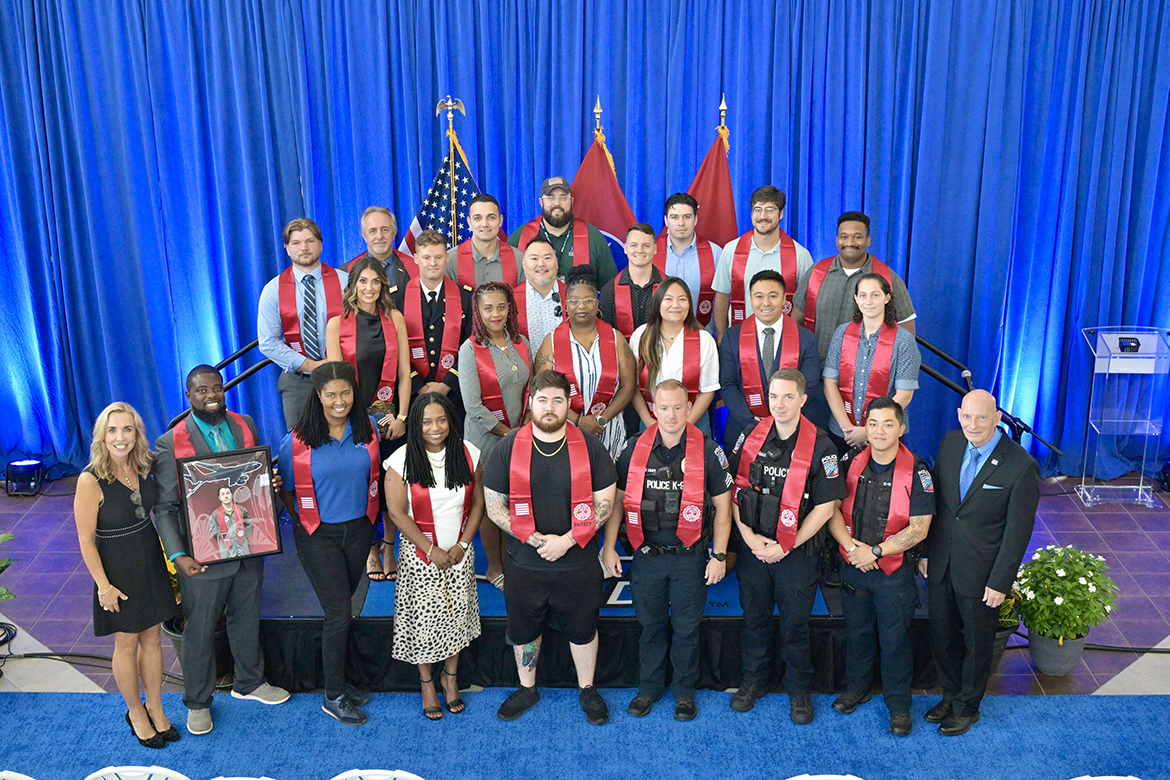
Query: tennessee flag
[
  {"x": 712, "y": 189},
  {"x": 597, "y": 196}
]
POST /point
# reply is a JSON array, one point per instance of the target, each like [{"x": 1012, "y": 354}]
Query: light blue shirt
[
  {"x": 984, "y": 453},
  {"x": 268, "y": 327},
  {"x": 686, "y": 266}
]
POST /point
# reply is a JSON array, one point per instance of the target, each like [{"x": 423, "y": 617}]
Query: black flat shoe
[
  {"x": 170, "y": 735},
  {"x": 939, "y": 712},
  {"x": 152, "y": 742}
]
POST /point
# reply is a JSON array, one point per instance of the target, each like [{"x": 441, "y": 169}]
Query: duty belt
[{"x": 670, "y": 549}]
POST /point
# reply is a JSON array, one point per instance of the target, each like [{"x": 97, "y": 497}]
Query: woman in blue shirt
[{"x": 330, "y": 459}]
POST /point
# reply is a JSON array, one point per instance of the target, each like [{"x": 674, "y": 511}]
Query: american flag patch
[
  {"x": 417, "y": 353},
  {"x": 755, "y": 399},
  {"x": 307, "y": 502},
  {"x": 927, "y": 482},
  {"x": 523, "y": 509},
  {"x": 632, "y": 518},
  {"x": 499, "y": 414}
]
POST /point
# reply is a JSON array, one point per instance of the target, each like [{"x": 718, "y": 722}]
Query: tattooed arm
[
  {"x": 863, "y": 558},
  {"x": 544, "y": 356},
  {"x": 500, "y": 512}
]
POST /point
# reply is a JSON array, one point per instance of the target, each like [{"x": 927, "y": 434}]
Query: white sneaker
[
  {"x": 199, "y": 721},
  {"x": 265, "y": 694}
]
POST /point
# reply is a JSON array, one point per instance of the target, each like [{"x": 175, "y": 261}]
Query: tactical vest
[{"x": 662, "y": 499}]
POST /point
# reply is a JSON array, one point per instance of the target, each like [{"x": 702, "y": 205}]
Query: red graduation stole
[
  {"x": 580, "y": 493},
  {"x": 753, "y": 385},
  {"x": 466, "y": 264},
  {"x": 706, "y": 274},
  {"x": 879, "y": 373},
  {"x": 307, "y": 495},
  {"x": 623, "y": 306},
  {"x": 489, "y": 383},
  {"x": 521, "y": 297},
  {"x": 347, "y": 335},
  {"x": 817, "y": 278},
  {"x": 898, "y": 516},
  {"x": 692, "y": 361},
  {"x": 290, "y": 320},
  {"x": 408, "y": 262},
  {"x": 452, "y": 326},
  {"x": 690, "y": 516},
  {"x": 221, "y": 520},
  {"x": 424, "y": 515},
  {"x": 580, "y": 239},
  {"x": 606, "y": 383},
  {"x": 739, "y": 269},
  {"x": 794, "y": 481},
  {"x": 184, "y": 448}
]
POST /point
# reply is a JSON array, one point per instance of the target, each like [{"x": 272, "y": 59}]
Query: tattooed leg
[{"x": 526, "y": 656}]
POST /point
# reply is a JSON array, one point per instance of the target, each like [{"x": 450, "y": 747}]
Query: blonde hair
[{"x": 100, "y": 462}]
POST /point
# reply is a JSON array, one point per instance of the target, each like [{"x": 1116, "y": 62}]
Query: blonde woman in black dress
[{"x": 132, "y": 590}]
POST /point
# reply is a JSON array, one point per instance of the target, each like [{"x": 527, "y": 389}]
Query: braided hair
[
  {"x": 312, "y": 428},
  {"x": 418, "y": 469}
]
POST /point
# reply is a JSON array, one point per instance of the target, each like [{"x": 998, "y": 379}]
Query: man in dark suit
[
  {"x": 988, "y": 488},
  {"x": 425, "y": 310},
  {"x": 207, "y": 590},
  {"x": 379, "y": 229},
  {"x": 790, "y": 346}
]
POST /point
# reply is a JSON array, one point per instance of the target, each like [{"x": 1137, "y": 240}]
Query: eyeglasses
[
  {"x": 136, "y": 500},
  {"x": 769, "y": 210},
  {"x": 573, "y": 303}
]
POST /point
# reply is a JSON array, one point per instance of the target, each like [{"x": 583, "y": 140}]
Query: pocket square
[{"x": 992, "y": 487}]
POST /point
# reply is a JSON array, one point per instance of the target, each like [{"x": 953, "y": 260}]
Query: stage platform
[{"x": 291, "y": 626}]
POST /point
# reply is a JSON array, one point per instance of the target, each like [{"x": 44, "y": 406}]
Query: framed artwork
[{"x": 229, "y": 508}]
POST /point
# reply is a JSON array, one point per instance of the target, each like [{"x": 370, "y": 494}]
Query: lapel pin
[{"x": 994, "y": 462}]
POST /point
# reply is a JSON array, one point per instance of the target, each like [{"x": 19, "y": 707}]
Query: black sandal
[
  {"x": 375, "y": 573},
  {"x": 454, "y": 706},
  {"x": 432, "y": 713},
  {"x": 392, "y": 575}
]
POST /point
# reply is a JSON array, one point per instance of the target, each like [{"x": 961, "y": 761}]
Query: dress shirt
[
  {"x": 221, "y": 427},
  {"x": 686, "y": 266},
  {"x": 542, "y": 318},
  {"x": 757, "y": 260},
  {"x": 268, "y": 325},
  {"x": 984, "y": 453},
  {"x": 672, "y": 359},
  {"x": 903, "y": 367}
]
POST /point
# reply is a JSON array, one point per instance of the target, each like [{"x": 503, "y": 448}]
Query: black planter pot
[{"x": 223, "y": 651}]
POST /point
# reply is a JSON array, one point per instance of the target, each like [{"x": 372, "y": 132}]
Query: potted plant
[
  {"x": 1066, "y": 592},
  {"x": 5, "y": 593}
]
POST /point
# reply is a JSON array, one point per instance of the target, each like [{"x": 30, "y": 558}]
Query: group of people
[{"x": 434, "y": 389}]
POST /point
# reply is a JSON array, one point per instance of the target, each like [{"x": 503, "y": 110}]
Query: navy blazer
[
  {"x": 979, "y": 541},
  {"x": 739, "y": 417}
]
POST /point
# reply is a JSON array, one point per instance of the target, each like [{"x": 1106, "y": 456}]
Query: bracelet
[
  {"x": 851, "y": 549},
  {"x": 107, "y": 590},
  {"x": 431, "y": 550},
  {"x": 465, "y": 545},
  {"x": 402, "y": 417}
]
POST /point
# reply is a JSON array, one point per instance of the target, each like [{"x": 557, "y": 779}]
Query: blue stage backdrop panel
[{"x": 1013, "y": 157}]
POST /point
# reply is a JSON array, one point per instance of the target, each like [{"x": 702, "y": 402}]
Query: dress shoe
[
  {"x": 344, "y": 710},
  {"x": 270, "y": 694},
  {"x": 595, "y": 708},
  {"x": 685, "y": 709},
  {"x": 199, "y": 721},
  {"x": 957, "y": 724},
  {"x": 900, "y": 724},
  {"x": 170, "y": 735},
  {"x": 518, "y": 703},
  {"x": 802, "y": 708},
  {"x": 745, "y": 698},
  {"x": 939, "y": 712},
  {"x": 155, "y": 741},
  {"x": 849, "y": 701},
  {"x": 641, "y": 704}
]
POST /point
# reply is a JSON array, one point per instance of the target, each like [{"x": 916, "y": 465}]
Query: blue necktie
[
  {"x": 309, "y": 320},
  {"x": 968, "y": 475}
]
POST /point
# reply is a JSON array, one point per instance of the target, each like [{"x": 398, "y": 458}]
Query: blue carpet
[{"x": 63, "y": 736}]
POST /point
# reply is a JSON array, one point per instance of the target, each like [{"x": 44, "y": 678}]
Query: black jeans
[
  {"x": 880, "y": 609},
  {"x": 334, "y": 558},
  {"x": 669, "y": 589},
  {"x": 791, "y": 586}
]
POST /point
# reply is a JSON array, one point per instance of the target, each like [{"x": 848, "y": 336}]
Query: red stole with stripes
[
  {"x": 221, "y": 521},
  {"x": 898, "y": 514},
  {"x": 623, "y": 305},
  {"x": 817, "y": 278},
  {"x": 290, "y": 319},
  {"x": 420, "y": 359},
  {"x": 466, "y": 265},
  {"x": 739, "y": 270},
  {"x": 754, "y": 392},
  {"x": 794, "y": 480},
  {"x": 690, "y": 516},
  {"x": 879, "y": 372},
  {"x": 580, "y": 250},
  {"x": 182, "y": 441},
  {"x": 307, "y": 508},
  {"x": 489, "y": 382},
  {"x": 563, "y": 362},
  {"x": 706, "y": 274},
  {"x": 691, "y": 373},
  {"x": 520, "y": 295},
  {"x": 580, "y": 491}
]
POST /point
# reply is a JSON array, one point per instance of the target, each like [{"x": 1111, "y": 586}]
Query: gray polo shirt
[{"x": 487, "y": 269}]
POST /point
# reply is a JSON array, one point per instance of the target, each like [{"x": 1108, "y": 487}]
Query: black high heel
[
  {"x": 153, "y": 742},
  {"x": 170, "y": 735}
]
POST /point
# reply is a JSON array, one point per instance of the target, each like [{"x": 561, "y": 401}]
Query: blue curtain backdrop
[{"x": 1013, "y": 156}]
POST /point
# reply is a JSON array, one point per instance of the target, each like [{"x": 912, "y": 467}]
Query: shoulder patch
[
  {"x": 830, "y": 464},
  {"x": 621, "y": 449},
  {"x": 720, "y": 456},
  {"x": 739, "y": 442},
  {"x": 927, "y": 482}
]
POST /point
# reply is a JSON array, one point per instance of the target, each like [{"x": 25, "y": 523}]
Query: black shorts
[{"x": 568, "y": 601}]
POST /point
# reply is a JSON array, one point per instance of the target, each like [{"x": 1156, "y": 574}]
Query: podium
[{"x": 1127, "y": 399}]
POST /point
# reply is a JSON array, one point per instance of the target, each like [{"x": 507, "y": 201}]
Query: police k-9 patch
[
  {"x": 927, "y": 482},
  {"x": 830, "y": 464}
]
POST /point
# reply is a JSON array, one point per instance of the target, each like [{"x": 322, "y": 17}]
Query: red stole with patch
[
  {"x": 691, "y": 373},
  {"x": 879, "y": 372},
  {"x": 466, "y": 265},
  {"x": 608, "y": 381},
  {"x": 794, "y": 480},
  {"x": 580, "y": 492},
  {"x": 489, "y": 382},
  {"x": 754, "y": 393},
  {"x": 898, "y": 516},
  {"x": 290, "y": 319},
  {"x": 739, "y": 270},
  {"x": 580, "y": 239},
  {"x": 182, "y": 440},
  {"x": 221, "y": 521},
  {"x": 420, "y": 359},
  {"x": 705, "y": 292},
  {"x": 306, "y": 494},
  {"x": 424, "y": 515},
  {"x": 817, "y": 278},
  {"x": 347, "y": 335},
  {"x": 690, "y": 517}
]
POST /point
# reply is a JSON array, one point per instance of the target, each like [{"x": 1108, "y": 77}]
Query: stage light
[{"x": 24, "y": 477}]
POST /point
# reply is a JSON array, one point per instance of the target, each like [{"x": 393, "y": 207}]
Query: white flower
[
  {"x": 1058, "y": 600},
  {"x": 1050, "y": 547},
  {"x": 1036, "y": 555},
  {"x": 1029, "y": 594},
  {"x": 1108, "y": 608},
  {"x": 1082, "y": 580},
  {"x": 1092, "y": 588},
  {"x": 1100, "y": 557},
  {"x": 1060, "y": 572}
]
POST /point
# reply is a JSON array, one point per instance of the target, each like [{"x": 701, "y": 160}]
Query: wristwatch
[
  {"x": 602, "y": 421},
  {"x": 877, "y": 551},
  {"x": 465, "y": 545},
  {"x": 721, "y": 557}
]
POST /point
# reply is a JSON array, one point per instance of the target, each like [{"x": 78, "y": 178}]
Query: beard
[
  {"x": 211, "y": 418},
  {"x": 558, "y": 222},
  {"x": 549, "y": 428}
]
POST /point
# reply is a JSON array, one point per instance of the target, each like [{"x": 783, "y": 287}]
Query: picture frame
[{"x": 229, "y": 506}]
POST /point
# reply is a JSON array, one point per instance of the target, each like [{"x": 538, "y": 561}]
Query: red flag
[
  {"x": 712, "y": 189},
  {"x": 597, "y": 196}
]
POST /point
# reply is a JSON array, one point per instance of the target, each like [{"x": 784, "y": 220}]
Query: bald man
[{"x": 988, "y": 488}]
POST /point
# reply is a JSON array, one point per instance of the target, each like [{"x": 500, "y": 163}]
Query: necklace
[
  {"x": 549, "y": 454},
  {"x": 126, "y": 482}
]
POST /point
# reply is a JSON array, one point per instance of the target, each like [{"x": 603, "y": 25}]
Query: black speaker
[{"x": 1164, "y": 478}]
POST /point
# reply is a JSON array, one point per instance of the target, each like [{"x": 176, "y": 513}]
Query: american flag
[{"x": 435, "y": 212}]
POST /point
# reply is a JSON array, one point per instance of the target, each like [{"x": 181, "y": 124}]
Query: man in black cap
[{"x": 576, "y": 242}]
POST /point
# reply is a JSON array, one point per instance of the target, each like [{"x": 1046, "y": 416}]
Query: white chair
[
  {"x": 137, "y": 773},
  {"x": 377, "y": 774},
  {"x": 1107, "y": 777},
  {"x": 6, "y": 775},
  {"x": 235, "y": 778}
]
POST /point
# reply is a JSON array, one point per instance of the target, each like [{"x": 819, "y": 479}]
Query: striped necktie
[{"x": 309, "y": 320}]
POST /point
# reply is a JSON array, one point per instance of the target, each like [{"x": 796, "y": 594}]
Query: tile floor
[{"x": 54, "y": 601}]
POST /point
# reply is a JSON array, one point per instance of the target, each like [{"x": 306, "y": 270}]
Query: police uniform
[
  {"x": 790, "y": 584},
  {"x": 667, "y": 579},
  {"x": 879, "y": 605}
]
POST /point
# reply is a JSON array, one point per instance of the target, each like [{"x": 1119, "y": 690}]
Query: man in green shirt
[{"x": 557, "y": 226}]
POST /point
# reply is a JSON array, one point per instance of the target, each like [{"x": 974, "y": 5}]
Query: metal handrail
[{"x": 220, "y": 366}]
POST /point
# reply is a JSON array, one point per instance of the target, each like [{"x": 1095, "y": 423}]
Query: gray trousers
[
  {"x": 204, "y": 600},
  {"x": 294, "y": 390}
]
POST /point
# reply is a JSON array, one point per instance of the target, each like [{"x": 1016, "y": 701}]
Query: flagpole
[{"x": 451, "y": 105}]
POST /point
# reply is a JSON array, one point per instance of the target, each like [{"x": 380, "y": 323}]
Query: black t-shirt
[
  {"x": 551, "y": 485},
  {"x": 825, "y": 482},
  {"x": 921, "y": 492},
  {"x": 718, "y": 478}
]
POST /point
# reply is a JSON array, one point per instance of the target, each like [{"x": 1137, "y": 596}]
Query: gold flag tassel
[{"x": 599, "y": 136}]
